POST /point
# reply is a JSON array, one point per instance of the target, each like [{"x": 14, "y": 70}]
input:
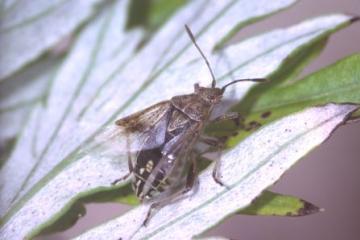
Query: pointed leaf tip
[{"x": 275, "y": 204}]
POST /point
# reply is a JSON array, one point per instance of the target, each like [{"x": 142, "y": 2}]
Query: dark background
[{"x": 329, "y": 176}]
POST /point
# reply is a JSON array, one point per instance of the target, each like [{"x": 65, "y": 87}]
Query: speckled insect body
[
  {"x": 164, "y": 165},
  {"x": 161, "y": 171}
]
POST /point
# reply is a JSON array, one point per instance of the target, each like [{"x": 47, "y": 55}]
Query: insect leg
[
  {"x": 238, "y": 120},
  {"x": 216, "y": 144},
  {"x": 127, "y": 175},
  {"x": 215, "y": 174},
  {"x": 191, "y": 176},
  {"x": 234, "y": 116},
  {"x": 130, "y": 165},
  {"x": 153, "y": 207},
  {"x": 212, "y": 141}
]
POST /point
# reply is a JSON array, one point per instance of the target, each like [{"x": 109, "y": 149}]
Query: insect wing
[
  {"x": 143, "y": 130},
  {"x": 162, "y": 171}
]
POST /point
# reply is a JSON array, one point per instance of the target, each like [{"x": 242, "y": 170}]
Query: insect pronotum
[{"x": 164, "y": 167}]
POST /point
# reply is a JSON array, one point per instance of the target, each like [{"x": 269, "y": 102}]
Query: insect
[{"x": 164, "y": 167}]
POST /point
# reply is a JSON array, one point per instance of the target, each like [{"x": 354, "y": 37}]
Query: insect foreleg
[
  {"x": 212, "y": 141},
  {"x": 216, "y": 144},
  {"x": 233, "y": 116}
]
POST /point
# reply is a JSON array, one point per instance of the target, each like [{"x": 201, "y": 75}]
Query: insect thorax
[{"x": 193, "y": 106}]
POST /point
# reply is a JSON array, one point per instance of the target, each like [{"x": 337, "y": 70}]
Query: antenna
[
  {"x": 244, "y": 80},
  {"x": 213, "y": 83}
]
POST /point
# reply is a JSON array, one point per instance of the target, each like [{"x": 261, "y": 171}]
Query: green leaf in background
[
  {"x": 337, "y": 83},
  {"x": 151, "y": 14},
  {"x": 274, "y": 204},
  {"x": 100, "y": 80},
  {"x": 27, "y": 30}
]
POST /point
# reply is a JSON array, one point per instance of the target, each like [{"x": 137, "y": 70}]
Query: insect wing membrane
[
  {"x": 143, "y": 130},
  {"x": 161, "y": 172}
]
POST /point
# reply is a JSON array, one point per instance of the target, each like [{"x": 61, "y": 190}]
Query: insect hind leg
[
  {"x": 217, "y": 144},
  {"x": 215, "y": 175},
  {"x": 131, "y": 168},
  {"x": 130, "y": 165}
]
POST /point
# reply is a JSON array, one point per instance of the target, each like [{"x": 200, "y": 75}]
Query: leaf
[
  {"x": 27, "y": 30},
  {"x": 274, "y": 204},
  {"x": 248, "y": 169},
  {"x": 17, "y": 97},
  {"x": 337, "y": 83},
  {"x": 151, "y": 14},
  {"x": 19, "y": 93},
  {"x": 100, "y": 81},
  {"x": 267, "y": 204},
  {"x": 74, "y": 70}
]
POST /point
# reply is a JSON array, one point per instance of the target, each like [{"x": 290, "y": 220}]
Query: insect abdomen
[
  {"x": 145, "y": 164},
  {"x": 153, "y": 181}
]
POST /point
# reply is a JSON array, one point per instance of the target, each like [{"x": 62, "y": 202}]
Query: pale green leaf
[
  {"x": 27, "y": 29},
  {"x": 17, "y": 97}
]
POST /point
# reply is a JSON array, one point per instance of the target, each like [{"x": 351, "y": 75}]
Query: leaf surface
[
  {"x": 17, "y": 97},
  {"x": 27, "y": 30},
  {"x": 275, "y": 204}
]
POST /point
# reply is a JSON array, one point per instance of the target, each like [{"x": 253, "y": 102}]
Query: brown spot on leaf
[
  {"x": 289, "y": 214},
  {"x": 235, "y": 133},
  {"x": 266, "y": 114},
  {"x": 253, "y": 125}
]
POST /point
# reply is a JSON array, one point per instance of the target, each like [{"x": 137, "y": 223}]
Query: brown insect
[{"x": 162, "y": 139}]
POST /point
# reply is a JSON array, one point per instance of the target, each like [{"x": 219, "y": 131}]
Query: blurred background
[{"x": 328, "y": 177}]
